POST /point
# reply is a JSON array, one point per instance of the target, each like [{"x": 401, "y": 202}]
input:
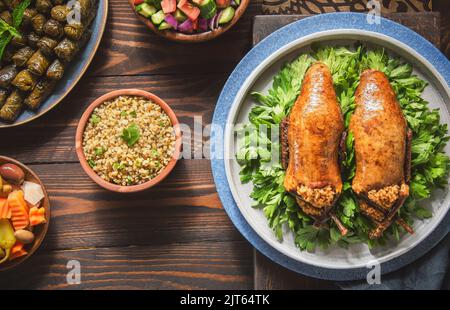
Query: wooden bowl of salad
[
  {"x": 189, "y": 20},
  {"x": 24, "y": 213}
]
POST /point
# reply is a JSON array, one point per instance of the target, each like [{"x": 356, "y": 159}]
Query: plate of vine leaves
[{"x": 260, "y": 93}]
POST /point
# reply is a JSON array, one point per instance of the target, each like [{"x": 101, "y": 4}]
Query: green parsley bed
[{"x": 430, "y": 165}]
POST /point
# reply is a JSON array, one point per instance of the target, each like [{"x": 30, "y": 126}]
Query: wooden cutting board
[
  {"x": 268, "y": 275},
  {"x": 326, "y": 6}
]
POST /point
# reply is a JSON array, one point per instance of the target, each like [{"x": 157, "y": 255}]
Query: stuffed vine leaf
[
  {"x": 39, "y": 94},
  {"x": 21, "y": 57},
  {"x": 12, "y": 107},
  {"x": 56, "y": 70},
  {"x": 24, "y": 80},
  {"x": 38, "y": 63},
  {"x": 7, "y": 74}
]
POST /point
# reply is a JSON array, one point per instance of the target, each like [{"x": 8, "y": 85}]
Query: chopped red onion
[
  {"x": 170, "y": 19},
  {"x": 186, "y": 26}
]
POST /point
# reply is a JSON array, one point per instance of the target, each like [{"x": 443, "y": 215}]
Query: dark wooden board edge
[
  {"x": 267, "y": 274},
  {"x": 426, "y": 24}
]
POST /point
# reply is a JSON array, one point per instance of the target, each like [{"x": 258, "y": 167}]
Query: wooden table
[{"x": 176, "y": 236}]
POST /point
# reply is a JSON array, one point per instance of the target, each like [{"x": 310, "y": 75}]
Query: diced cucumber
[
  {"x": 165, "y": 26},
  {"x": 226, "y": 15},
  {"x": 155, "y": 3},
  {"x": 146, "y": 10},
  {"x": 179, "y": 16},
  {"x": 208, "y": 8},
  {"x": 158, "y": 17}
]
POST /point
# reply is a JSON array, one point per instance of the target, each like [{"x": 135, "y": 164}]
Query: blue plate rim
[
  {"x": 281, "y": 37},
  {"x": 96, "y": 38}
]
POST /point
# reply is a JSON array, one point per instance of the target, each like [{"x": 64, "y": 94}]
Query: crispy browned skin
[
  {"x": 380, "y": 131},
  {"x": 315, "y": 128}
]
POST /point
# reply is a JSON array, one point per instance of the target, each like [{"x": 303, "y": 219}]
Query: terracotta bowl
[
  {"x": 39, "y": 231},
  {"x": 132, "y": 188},
  {"x": 197, "y": 37}
]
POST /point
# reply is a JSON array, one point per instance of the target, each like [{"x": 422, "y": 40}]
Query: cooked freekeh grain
[{"x": 111, "y": 157}]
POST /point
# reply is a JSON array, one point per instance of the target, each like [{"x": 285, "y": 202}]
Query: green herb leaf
[
  {"x": 99, "y": 151},
  {"x": 4, "y": 41},
  {"x": 118, "y": 166},
  {"x": 5, "y": 27},
  {"x": 131, "y": 134},
  {"x": 422, "y": 213},
  {"x": 18, "y": 12},
  {"x": 91, "y": 163},
  {"x": 94, "y": 119},
  {"x": 7, "y": 32}
]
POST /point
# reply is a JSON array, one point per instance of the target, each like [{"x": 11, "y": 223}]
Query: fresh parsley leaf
[
  {"x": 91, "y": 163},
  {"x": 422, "y": 213},
  {"x": 17, "y": 14},
  {"x": 131, "y": 134},
  {"x": 5, "y": 38},
  {"x": 118, "y": 166},
  {"x": 99, "y": 150},
  {"x": 94, "y": 119}
]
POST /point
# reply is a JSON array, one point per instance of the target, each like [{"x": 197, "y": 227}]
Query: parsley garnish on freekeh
[
  {"x": 131, "y": 134},
  {"x": 430, "y": 165}
]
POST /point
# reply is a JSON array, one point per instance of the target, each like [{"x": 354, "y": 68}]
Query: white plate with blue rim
[{"x": 255, "y": 73}]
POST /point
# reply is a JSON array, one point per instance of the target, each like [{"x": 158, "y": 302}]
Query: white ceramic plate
[{"x": 260, "y": 79}]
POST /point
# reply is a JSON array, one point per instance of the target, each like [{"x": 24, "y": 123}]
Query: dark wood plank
[
  {"x": 174, "y": 236},
  {"x": 327, "y": 6},
  {"x": 51, "y": 138},
  {"x": 130, "y": 48},
  {"x": 183, "y": 208},
  {"x": 426, "y": 23},
  {"x": 269, "y": 275},
  {"x": 171, "y": 237},
  {"x": 443, "y": 6},
  {"x": 194, "y": 265}
]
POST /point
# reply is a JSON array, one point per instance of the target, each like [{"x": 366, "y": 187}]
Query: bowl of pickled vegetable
[
  {"x": 24, "y": 213},
  {"x": 189, "y": 20}
]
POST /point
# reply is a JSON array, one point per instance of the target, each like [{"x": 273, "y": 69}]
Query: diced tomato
[
  {"x": 181, "y": 3},
  {"x": 192, "y": 12},
  {"x": 169, "y": 6},
  {"x": 137, "y": 2},
  {"x": 223, "y": 3}
]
